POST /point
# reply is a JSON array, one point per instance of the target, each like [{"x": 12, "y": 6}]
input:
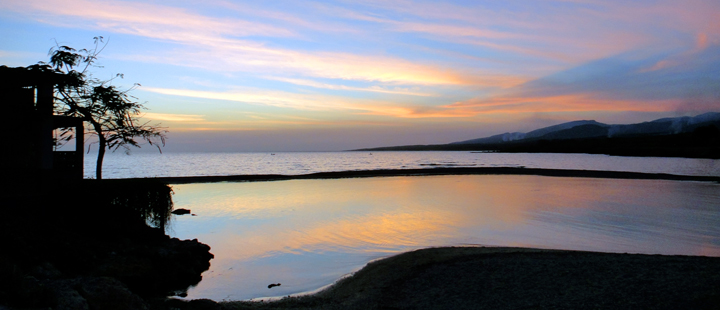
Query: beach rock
[
  {"x": 196, "y": 304},
  {"x": 71, "y": 300},
  {"x": 93, "y": 293},
  {"x": 180, "y": 211},
  {"x": 46, "y": 270},
  {"x": 65, "y": 296},
  {"x": 160, "y": 269},
  {"x": 90, "y": 256},
  {"x": 204, "y": 304},
  {"x": 108, "y": 293}
]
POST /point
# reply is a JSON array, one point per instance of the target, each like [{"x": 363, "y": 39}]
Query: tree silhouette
[{"x": 112, "y": 113}]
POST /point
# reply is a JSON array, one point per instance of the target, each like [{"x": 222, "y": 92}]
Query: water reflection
[{"x": 308, "y": 233}]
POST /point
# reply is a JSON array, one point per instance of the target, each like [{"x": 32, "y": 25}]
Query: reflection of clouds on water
[
  {"x": 308, "y": 233},
  {"x": 662, "y": 217}
]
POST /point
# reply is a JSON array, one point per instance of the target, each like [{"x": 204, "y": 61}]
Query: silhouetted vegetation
[
  {"x": 84, "y": 244},
  {"x": 87, "y": 243},
  {"x": 112, "y": 113},
  {"x": 145, "y": 199}
]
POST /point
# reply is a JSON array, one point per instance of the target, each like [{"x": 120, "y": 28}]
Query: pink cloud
[{"x": 587, "y": 102}]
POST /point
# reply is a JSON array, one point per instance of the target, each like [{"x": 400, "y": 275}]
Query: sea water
[
  {"x": 306, "y": 234},
  {"x": 143, "y": 165}
]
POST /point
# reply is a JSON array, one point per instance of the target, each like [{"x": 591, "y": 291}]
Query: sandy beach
[{"x": 513, "y": 278}]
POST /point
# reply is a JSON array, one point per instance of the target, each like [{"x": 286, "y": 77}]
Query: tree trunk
[
  {"x": 101, "y": 140},
  {"x": 101, "y": 156}
]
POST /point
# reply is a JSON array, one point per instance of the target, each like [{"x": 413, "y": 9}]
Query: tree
[{"x": 112, "y": 113}]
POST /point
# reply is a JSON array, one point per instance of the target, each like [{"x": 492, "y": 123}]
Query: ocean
[
  {"x": 143, "y": 165},
  {"x": 307, "y": 234}
]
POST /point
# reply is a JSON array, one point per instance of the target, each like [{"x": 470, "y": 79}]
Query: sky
[{"x": 226, "y": 75}]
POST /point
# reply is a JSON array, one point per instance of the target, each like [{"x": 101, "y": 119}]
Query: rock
[
  {"x": 45, "y": 270},
  {"x": 204, "y": 304},
  {"x": 161, "y": 269},
  {"x": 66, "y": 297},
  {"x": 180, "y": 211},
  {"x": 109, "y": 293},
  {"x": 196, "y": 304},
  {"x": 62, "y": 258}
]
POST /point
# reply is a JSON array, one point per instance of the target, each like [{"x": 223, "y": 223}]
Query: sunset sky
[{"x": 335, "y": 75}]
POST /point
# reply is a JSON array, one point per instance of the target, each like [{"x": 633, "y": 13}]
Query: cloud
[
  {"x": 507, "y": 57},
  {"x": 270, "y": 98},
  {"x": 144, "y": 19},
  {"x": 217, "y": 45},
  {"x": 566, "y": 31},
  {"x": 241, "y": 56},
  {"x": 316, "y": 102},
  {"x": 628, "y": 82},
  {"x": 190, "y": 118},
  {"x": 378, "y": 89},
  {"x": 453, "y": 30},
  {"x": 562, "y": 103}
]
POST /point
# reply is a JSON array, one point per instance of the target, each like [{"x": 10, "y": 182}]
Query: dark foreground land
[
  {"x": 513, "y": 278},
  {"x": 63, "y": 252},
  {"x": 87, "y": 245}
]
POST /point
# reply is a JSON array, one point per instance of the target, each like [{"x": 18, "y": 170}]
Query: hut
[{"x": 28, "y": 95}]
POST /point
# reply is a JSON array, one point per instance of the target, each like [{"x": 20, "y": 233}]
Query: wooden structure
[{"x": 27, "y": 95}]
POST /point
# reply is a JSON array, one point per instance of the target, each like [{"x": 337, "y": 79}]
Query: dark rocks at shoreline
[
  {"x": 92, "y": 293},
  {"x": 162, "y": 268},
  {"x": 83, "y": 257},
  {"x": 180, "y": 211}
]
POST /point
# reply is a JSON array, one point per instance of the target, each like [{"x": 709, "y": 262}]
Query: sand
[{"x": 518, "y": 278}]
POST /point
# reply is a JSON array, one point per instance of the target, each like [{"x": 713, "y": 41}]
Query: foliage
[
  {"x": 113, "y": 114},
  {"x": 146, "y": 200}
]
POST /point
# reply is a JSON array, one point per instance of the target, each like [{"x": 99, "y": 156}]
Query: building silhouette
[{"x": 28, "y": 96}]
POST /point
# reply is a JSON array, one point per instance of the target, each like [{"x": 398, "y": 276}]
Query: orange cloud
[
  {"x": 395, "y": 90},
  {"x": 144, "y": 19},
  {"x": 702, "y": 41},
  {"x": 316, "y": 102},
  {"x": 561, "y": 103},
  {"x": 452, "y": 30},
  {"x": 219, "y": 48},
  {"x": 174, "y": 117}
]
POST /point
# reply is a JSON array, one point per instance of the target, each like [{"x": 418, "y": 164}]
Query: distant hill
[
  {"x": 697, "y": 136},
  {"x": 515, "y": 136},
  {"x": 582, "y": 129}
]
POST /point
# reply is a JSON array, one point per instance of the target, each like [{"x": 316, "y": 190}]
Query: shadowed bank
[{"x": 73, "y": 243}]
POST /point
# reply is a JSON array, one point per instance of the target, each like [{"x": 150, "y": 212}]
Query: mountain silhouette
[
  {"x": 591, "y": 128},
  {"x": 697, "y": 137}
]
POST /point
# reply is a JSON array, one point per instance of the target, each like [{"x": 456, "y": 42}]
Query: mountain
[
  {"x": 592, "y": 129},
  {"x": 694, "y": 137}
]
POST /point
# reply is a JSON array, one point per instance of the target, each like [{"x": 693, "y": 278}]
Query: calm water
[
  {"x": 119, "y": 165},
  {"x": 306, "y": 234}
]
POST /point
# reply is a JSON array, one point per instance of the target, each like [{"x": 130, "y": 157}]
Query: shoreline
[
  {"x": 435, "y": 171},
  {"x": 510, "y": 278}
]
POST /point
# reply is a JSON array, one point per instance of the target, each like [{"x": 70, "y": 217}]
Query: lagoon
[{"x": 307, "y": 234}]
